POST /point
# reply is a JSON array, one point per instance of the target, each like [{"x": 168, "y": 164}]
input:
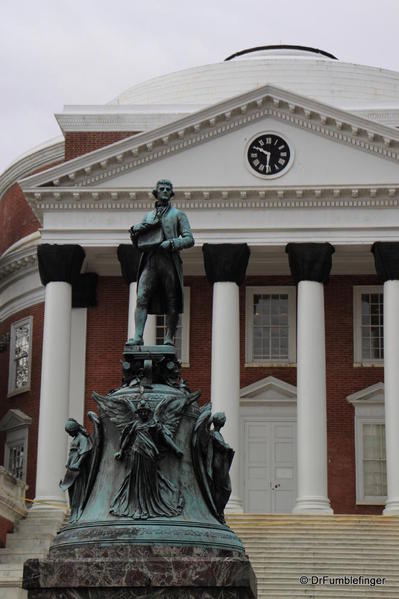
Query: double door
[{"x": 269, "y": 466}]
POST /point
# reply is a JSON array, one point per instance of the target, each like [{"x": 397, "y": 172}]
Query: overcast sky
[{"x": 56, "y": 52}]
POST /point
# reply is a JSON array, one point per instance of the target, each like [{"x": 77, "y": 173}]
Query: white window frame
[
  {"x": 249, "y": 294},
  {"x": 12, "y": 390},
  {"x": 185, "y": 333},
  {"x": 369, "y": 409},
  {"x": 15, "y": 424},
  {"x": 358, "y": 290}
]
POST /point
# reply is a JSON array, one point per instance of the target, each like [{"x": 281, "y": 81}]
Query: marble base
[{"x": 164, "y": 577}]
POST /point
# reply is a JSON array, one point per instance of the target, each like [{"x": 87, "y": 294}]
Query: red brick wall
[
  {"x": 29, "y": 401},
  {"x": 5, "y": 527},
  {"x": 16, "y": 217},
  {"x": 81, "y": 142}
]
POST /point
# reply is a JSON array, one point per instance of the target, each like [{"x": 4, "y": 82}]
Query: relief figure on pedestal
[
  {"x": 147, "y": 436},
  {"x": 82, "y": 464},
  {"x": 212, "y": 458},
  {"x": 160, "y": 236}
]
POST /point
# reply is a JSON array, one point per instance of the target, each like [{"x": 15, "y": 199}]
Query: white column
[
  {"x": 311, "y": 403},
  {"x": 150, "y": 335},
  {"x": 54, "y": 395},
  {"x": 391, "y": 391},
  {"x": 77, "y": 373},
  {"x": 225, "y": 378}
]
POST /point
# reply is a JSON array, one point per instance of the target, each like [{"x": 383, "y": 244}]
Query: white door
[{"x": 269, "y": 466}]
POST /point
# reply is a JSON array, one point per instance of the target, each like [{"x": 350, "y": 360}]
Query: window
[
  {"x": 368, "y": 323},
  {"x": 371, "y": 478},
  {"x": 270, "y": 325},
  {"x": 182, "y": 337},
  {"x": 374, "y": 461},
  {"x": 20, "y": 356},
  {"x": 15, "y": 425}
]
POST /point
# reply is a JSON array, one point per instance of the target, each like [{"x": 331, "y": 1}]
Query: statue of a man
[{"x": 160, "y": 236}]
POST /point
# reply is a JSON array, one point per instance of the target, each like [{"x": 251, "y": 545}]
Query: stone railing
[{"x": 12, "y": 496}]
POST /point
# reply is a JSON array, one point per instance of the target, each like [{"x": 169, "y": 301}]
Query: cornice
[
  {"x": 360, "y": 196},
  {"x": 134, "y": 152},
  {"x": 116, "y": 122},
  {"x": 18, "y": 263},
  {"x": 30, "y": 162}
]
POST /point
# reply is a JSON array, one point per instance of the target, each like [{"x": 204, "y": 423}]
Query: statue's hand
[
  {"x": 179, "y": 453},
  {"x": 118, "y": 455},
  {"x": 166, "y": 245}
]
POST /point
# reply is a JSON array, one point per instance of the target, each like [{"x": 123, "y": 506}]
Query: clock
[{"x": 269, "y": 155}]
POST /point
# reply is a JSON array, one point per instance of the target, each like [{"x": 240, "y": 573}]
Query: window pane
[
  {"x": 372, "y": 326},
  {"x": 374, "y": 461},
  {"x": 19, "y": 374},
  {"x": 16, "y": 460},
  {"x": 270, "y": 326}
]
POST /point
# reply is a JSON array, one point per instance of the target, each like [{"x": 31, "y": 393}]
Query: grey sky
[{"x": 56, "y": 52}]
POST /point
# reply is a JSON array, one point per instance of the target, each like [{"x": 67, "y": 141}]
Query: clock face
[{"x": 268, "y": 154}]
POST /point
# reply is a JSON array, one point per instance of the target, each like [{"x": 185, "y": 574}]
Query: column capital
[
  {"x": 84, "y": 289},
  {"x": 129, "y": 257},
  {"x": 386, "y": 258},
  {"x": 225, "y": 262},
  {"x": 310, "y": 261},
  {"x": 59, "y": 263}
]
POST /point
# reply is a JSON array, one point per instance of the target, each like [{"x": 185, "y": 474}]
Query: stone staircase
[
  {"x": 31, "y": 538},
  {"x": 282, "y": 548}
]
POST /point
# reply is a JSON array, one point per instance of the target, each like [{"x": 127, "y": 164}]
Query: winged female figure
[{"x": 147, "y": 434}]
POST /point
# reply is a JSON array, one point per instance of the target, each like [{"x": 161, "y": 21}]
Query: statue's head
[
  {"x": 72, "y": 427},
  {"x": 144, "y": 410},
  {"x": 163, "y": 191},
  {"x": 219, "y": 420}
]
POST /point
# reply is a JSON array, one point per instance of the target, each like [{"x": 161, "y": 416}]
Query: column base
[
  {"x": 391, "y": 508},
  {"x": 234, "y": 506},
  {"x": 313, "y": 505},
  {"x": 49, "y": 503}
]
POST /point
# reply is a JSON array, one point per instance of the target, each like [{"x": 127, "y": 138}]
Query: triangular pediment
[
  {"x": 199, "y": 148},
  {"x": 268, "y": 390},
  {"x": 374, "y": 394},
  {"x": 14, "y": 419}
]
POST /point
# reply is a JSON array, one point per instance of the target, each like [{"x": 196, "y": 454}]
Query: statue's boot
[
  {"x": 171, "y": 325},
  {"x": 137, "y": 340}
]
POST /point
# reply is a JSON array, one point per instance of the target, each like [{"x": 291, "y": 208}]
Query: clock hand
[{"x": 261, "y": 150}]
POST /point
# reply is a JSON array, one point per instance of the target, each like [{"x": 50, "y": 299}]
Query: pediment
[
  {"x": 269, "y": 390},
  {"x": 14, "y": 419},
  {"x": 374, "y": 394},
  {"x": 205, "y": 150}
]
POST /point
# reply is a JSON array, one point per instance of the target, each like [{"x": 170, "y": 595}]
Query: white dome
[{"x": 303, "y": 71}]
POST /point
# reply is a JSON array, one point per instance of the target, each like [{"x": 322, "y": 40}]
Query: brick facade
[
  {"x": 16, "y": 218},
  {"x": 5, "y": 527},
  {"x": 82, "y": 142}
]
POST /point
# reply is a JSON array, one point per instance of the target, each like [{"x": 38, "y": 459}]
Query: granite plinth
[{"x": 163, "y": 577}]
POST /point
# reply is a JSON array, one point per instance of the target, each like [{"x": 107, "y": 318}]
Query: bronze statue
[
  {"x": 147, "y": 435},
  {"x": 212, "y": 458},
  {"x": 160, "y": 236},
  {"x": 82, "y": 464}
]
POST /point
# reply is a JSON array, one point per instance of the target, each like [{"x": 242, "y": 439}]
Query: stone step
[
  {"x": 13, "y": 593},
  {"x": 30, "y": 544},
  {"x": 34, "y": 529},
  {"x": 18, "y": 556}
]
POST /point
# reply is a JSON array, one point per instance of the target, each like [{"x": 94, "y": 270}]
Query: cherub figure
[
  {"x": 147, "y": 435},
  {"x": 212, "y": 458},
  {"x": 82, "y": 464}
]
